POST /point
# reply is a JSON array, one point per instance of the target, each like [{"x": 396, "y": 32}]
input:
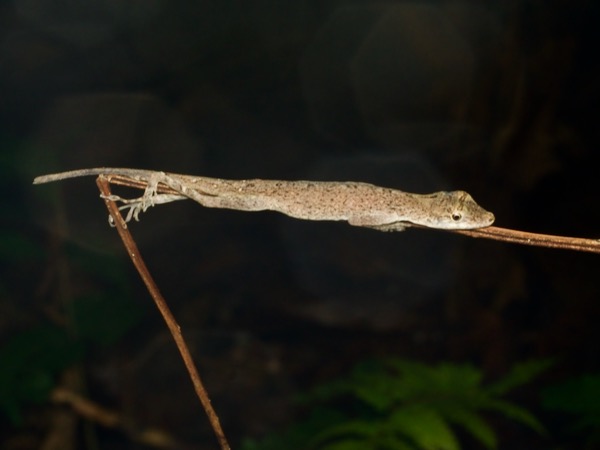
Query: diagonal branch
[{"x": 174, "y": 328}]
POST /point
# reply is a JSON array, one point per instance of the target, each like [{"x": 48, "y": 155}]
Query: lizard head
[{"x": 457, "y": 210}]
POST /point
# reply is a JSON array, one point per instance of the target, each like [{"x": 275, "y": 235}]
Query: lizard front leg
[
  {"x": 394, "y": 226},
  {"x": 377, "y": 222}
]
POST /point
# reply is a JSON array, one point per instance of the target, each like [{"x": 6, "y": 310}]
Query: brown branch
[
  {"x": 495, "y": 233},
  {"x": 534, "y": 239},
  {"x": 103, "y": 184}
]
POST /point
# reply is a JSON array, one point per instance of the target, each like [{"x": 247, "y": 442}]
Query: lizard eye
[{"x": 456, "y": 216}]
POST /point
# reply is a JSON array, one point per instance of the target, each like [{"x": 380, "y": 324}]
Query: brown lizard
[{"x": 360, "y": 204}]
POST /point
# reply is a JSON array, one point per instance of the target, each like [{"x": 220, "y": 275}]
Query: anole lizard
[{"x": 360, "y": 204}]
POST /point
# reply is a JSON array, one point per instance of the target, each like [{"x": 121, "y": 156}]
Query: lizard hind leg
[
  {"x": 134, "y": 206},
  {"x": 394, "y": 226},
  {"x": 150, "y": 198}
]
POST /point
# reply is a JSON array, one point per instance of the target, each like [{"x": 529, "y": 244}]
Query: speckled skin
[{"x": 360, "y": 204}]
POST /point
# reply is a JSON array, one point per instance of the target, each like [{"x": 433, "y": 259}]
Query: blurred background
[{"x": 497, "y": 98}]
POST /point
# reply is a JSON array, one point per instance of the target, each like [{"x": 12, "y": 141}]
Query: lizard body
[{"x": 360, "y": 204}]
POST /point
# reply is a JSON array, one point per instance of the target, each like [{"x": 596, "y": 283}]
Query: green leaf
[
  {"x": 424, "y": 426},
  {"x": 372, "y": 384},
  {"x": 387, "y": 442},
  {"x": 359, "y": 430},
  {"x": 516, "y": 413},
  {"x": 457, "y": 378},
  {"x": 345, "y": 445},
  {"x": 406, "y": 405},
  {"x": 474, "y": 424},
  {"x": 444, "y": 377},
  {"x": 520, "y": 374}
]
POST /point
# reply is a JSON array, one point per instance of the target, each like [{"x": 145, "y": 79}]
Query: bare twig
[
  {"x": 174, "y": 328},
  {"x": 534, "y": 239}
]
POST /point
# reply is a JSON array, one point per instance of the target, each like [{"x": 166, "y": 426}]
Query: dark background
[{"x": 498, "y": 98}]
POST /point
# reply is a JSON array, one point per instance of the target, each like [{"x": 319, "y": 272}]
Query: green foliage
[
  {"x": 30, "y": 361},
  {"x": 580, "y": 398},
  {"x": 405, "y": 405}
]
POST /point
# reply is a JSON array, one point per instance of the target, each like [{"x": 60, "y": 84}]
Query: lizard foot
[{"x": 137, "y": 205}]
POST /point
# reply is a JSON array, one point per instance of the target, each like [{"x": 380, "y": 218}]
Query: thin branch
[
  {"x": 103, "y": 184},
  {"x": 534, "y": 239}
]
